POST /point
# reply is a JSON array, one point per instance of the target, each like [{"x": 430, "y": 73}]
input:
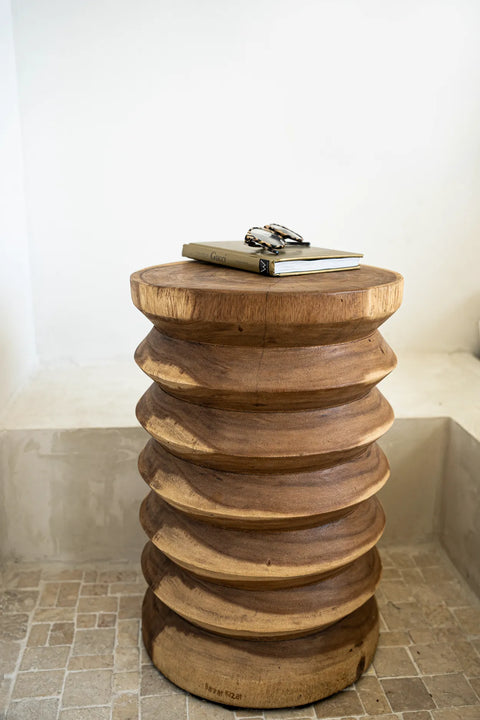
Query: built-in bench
[{"x": 69, "y": 443}]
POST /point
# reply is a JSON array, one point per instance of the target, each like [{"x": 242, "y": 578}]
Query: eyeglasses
[{"x": 273, "y": 238}]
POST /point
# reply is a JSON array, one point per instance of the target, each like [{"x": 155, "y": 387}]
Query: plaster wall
[
  {"x": 74, "y": 495},
  {"x": 460, "y": 508},
  {"x": 146, "y": 125},
  {"x": 17, "y": 334}
]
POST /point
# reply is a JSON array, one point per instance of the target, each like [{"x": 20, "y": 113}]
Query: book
[{"x": 291, "y": 260}]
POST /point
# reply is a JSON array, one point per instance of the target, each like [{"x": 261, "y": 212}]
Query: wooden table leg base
[
  {"x": 256, "y": 673},
  {"x": 263, "y": 468}
]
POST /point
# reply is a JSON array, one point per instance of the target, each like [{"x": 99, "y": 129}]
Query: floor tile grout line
[
  {"x": 65, "y": 674},
  {"x": 23, "y": 646}
]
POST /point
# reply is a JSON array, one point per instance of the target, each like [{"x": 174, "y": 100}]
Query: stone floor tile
[
  {"x": 18, "y": 601},
  {"x": 412, "y": 576},
  {"x": 372, "y": 696},
  {"x": 393, "y": 662},
  {"x": 202, "y": 710},
  {"x": 426, "y": 595},
  {"x": 26, "y": 579},
  {"x": 56, "y": 614},
  {"x": 154, "y": 683},
  {"x": 90, "y": 662},
  {"x": 48, "y": 594},
  {"x": 97, "y": 603},
  {"x": 407, "y": 694},
  {"x": 166, "y": 707},
  {"x": 387, "y": 561},
  {"x": 390, "y": 573},
  {"x": 45, "y": 658},
  {"x": 68, "y": 594},
  {"x": 125, "y": 707},
  {"x": 112, "y": 576},
  {"x": 392, "y": 638},
  {"x": 469, "y": 659},
  {"x": 306, "y": 712},
  {"x": 448, "y": 690},
  {"x": 425, "y": 558},
  {"x": 9, "y": 652},
  {"x": 122, "y": 588},
  {"x": 425, "y": 636},
  {"x": 106, "y": 620},
  {"x": 86, "y": 621},
  {"x": 127, "y": 632},
  {"x": 439, "y": 616},
  {"x": 94, "y": 589},
  {"x": 470, "y": 712},
  {"x": 396, "y": 591},
  {"x": 61, "y": 634},
  {"x": 88, "y": 687},
  {"x": 38, "y": 635},
  {"x": 339, "y": 705},
  {"x": 86, "y": 713},
  {"x": 403, "y": 616},
  {"x": 91, "y": 642},
  {"x": 436, "y": 574},
  {"x": 62, "y": 574},
  {"x": 5, "y": 688},
  {"x": 38, "y": 684},
  {"x": 90, "y": 576},
  {"x": 402, "y": 559},
  {"x": 130, "y": 606},
  {"x": 438, "y": 629},
  {"x": 469, "y": 619},
  {"x": 13, "y": 626},
  {"x": 475, "y": 683},
  {"x": 435, "y": 659},
  {"x": 456, "y": 594},
  {"x": 46, "y": 709},
  {"x": 126, "y": 658},
  {"x": 126, "y": 681}
]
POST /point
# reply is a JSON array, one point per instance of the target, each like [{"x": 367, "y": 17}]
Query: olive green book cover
[{"x": 291, "y": 260}]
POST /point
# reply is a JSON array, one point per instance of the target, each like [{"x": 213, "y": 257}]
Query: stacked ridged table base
[{"x": 263, "y": 467}]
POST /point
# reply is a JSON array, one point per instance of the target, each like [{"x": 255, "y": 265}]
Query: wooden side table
[{"x": 263, "y": 467}]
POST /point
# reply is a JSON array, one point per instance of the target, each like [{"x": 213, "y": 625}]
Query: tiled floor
[{"x": 70, "y": 649}]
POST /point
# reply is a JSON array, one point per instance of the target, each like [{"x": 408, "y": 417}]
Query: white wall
[
  {"x": 147, "y": 124},
  {"x": 17, "y": 337}
]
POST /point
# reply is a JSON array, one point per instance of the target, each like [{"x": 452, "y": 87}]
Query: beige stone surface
[
  {"x": 393, "y": 662},
  {"x": 372, "y": 695},
  {"x": 339, "y": 705},
  {"x": 125, "y": 707},
  {"x": 87, "y": 687},
  {"x": 92, "y": 642},
  {"x": 407, "y": 693},
  {"x": 167, "y": 707},
  {"x": 46, "y": 709},
  {"x": 44, "y": 658},
  {"x": 38, "y": 684},
  {"x": 427, "y": 666}
]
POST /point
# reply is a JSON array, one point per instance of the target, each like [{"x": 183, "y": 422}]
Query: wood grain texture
[
  {"x": 266, "y": 558},
  {"x": 265, "y": 378},
  {"x": 266, "y": 614},
  {"x": 192, "y": 300},
  {"x": 267, "y": 500},
  {"x": 263, "y": 467},
  {"x": 249, "y": 673},
  {"x": 264, "y": 441}
]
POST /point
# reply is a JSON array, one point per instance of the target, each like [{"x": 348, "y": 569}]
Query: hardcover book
[{"x": 291, "y": 260}]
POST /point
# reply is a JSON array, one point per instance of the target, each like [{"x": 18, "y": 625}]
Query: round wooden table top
[{"x": 220, "y": 304}]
